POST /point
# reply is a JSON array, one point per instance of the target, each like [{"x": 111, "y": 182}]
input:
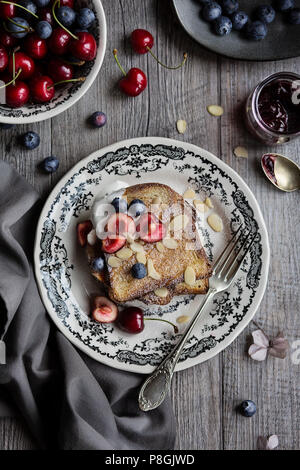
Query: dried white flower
[
  {"x": 267, "y": 443},
  {"x": 262, "y": 346}
]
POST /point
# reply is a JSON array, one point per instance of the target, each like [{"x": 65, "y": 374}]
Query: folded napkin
[{"x": 68, "y": 400}]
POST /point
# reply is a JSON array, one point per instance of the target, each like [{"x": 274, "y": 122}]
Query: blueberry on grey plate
[
  {"x": 85, "y": 17},
  {"x": 66, "y": 16},
  {"x": 284, "y": 5},
  {"x": 222, "y": 26},
  {"x": 247, "y": 408},
  {"x": 229, "y": 6},
  {"x": 43, "y": 29},
  {"x": 30, "y": 140},
  {"x": 256, "y": 31},
  {"x": 239, "y": 19},
  {"x": 50, "y": 164},
  {"x": 136, "y": 208},
  {"x": 139, "y": 271},
  {"x": 293, "y": 16},
  {"x": 98, "y": 264},
  {"x": 265, "y": 13},
  {"x": 98, "y": 119},
  {"x": 211, "y": 11},
  {"x": 120, "y": 204}
]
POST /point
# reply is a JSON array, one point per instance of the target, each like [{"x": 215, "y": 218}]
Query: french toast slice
[{"x": 170, "y": 264}]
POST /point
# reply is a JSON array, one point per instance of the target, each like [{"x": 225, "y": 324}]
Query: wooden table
[{"x": 205, "y": 396}]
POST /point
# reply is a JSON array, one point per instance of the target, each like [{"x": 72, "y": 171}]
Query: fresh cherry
[
  {"x": 131, "y": 319},
  {"x": 84, "y": 47},
  {"x": 3, "y": 58},
  {"x": 104, "y": 310},
  {"x": 59, "y": 41},
  {"x": 113, "y": 244},
  {"x": 45, "y": 14},
  {"x": 42, "y": 89},
  {"x": 35, "y": 46},
  {"x": 17, "y": 94},
  {"x": 83, "y": 229},
  {"x": 23, "y": 62},
  {"x": 7, "y": 10},
  {"x": 6, "y": 39},
  {"x": 134, "y": 82},
  {"x": 150, "y": 228},
  {"x": 59, "y": 70},
  {"x": 142, "y": 42}
]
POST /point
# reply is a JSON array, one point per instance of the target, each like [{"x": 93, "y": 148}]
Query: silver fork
[{"x": 156, "y": 386}]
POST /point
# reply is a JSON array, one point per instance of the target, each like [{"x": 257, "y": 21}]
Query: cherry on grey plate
[{"x": 282, "y": 41}]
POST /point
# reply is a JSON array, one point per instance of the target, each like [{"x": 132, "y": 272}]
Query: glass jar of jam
[{"x": 273, "y": 109}]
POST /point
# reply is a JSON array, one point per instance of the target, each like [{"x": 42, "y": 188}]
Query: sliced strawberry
[
  {"x": 121, "y": 224},
  {"x": 83, "y": 228},
  {"x": 113, "y": 244},
  {"x": 150, "y": 228},
  {"x": 104, "y": 310}
]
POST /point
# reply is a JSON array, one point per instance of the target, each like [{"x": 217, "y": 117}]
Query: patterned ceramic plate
[{"x": 65, "y": 281}]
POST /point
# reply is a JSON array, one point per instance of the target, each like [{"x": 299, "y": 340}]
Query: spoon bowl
[{"x": 281, "y": 171}]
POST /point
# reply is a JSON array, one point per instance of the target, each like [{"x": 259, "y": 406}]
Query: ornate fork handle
[{"x": 156, "y": 387}]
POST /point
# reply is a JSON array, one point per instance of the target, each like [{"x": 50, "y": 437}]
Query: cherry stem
[
  {"x": 60, "y": 24},
  {"x": 80, "y": 79},
  {"x": 166, "y": 321},
  {"x": 117, "y": 60},
  {"x": 167, "y": 66},
  {"x": 13, "y": 80},
  {"x": 20, "y": 26},
  {"x": 78, "y": 62},
  {"x": 20, "y": 6}
]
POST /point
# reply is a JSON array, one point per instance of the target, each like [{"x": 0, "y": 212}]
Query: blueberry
[
  {"x": 239, "y": 20},
  {"x": 18, "y": 27},
  {"x": 31, "y": 140},
  {"x": 222, "y": 26},
  {"x": 50, "y": 164},
  {"x": 136, "y": 208},
  {"x": 256, "y": 30},
  {"x": 248, "y": 408},
  {"x": 229, "y": 6},
  {"x": 139, "y": 270},
  {"x": 85, "y": 18},
  {"x": 293, "y": 16},
  {"x": 30, "y": 6},
  {"x": 284, "y": 5},
  {"x": 98, "y": 264},
  {"x": 5, "y": 126},
  {"x": 41, "y": 3},
  {"x": 120, "y": 204},
  {"x": 211, "y": 11},
  {"x": 265, "y": 13},
  {"x": 43, "y": 29},
  {"x": 98, "y": 119},
  {"x": 66, "y": 16}
]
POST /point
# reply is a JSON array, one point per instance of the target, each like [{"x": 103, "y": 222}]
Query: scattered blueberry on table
[
  {"x": 98, "y": 119},
  {"x": 247, "y": 408},
  {"x": 50, "y": 164},
  {"x": 30, "y": 140}
]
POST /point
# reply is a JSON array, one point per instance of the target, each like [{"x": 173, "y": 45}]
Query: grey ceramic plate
[{"x": 282, "y": 41}]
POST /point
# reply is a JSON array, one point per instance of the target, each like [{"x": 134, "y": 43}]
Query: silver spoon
[{"x": 281, "y": 171}]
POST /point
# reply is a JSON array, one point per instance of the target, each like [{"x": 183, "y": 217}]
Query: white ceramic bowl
[{"x": 68, "y": 95}]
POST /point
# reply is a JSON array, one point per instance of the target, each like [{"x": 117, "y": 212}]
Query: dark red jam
[
  {"x": 268, "y": 163},
  {"x": 279, "y": 107}
]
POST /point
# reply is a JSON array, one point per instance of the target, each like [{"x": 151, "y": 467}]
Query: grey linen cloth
[{"x": 68, "y": 400}]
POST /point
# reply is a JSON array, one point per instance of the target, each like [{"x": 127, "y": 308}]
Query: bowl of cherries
[{"x": 50, "y": 53}]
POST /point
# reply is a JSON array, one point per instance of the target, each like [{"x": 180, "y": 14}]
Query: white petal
[
  {"x": 272, "y": 442},
  {"x": 257, "y": 353},
  {"x": 260, "y": 338}
]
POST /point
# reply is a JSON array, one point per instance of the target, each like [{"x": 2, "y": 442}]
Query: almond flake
[
  {"x": 141, "y": 257},
  {"x": 124, "y": 253},
  {"x": 170, "y": 243},
  {"x": 240, "y": 152},
  {"x": 92, "y": 237},
  {"x": 151, "y": 270},
  {"x": 183, "y": 319},
  {"x": 160, "y": 247},
  {"x": 215, "y": 110},
  {"x": 181, "y": 126},
  {"x": 129, "y": 238},
  {"x": 189, "y": 194},
  {"x": 136, "y": 247},
  {"x": 114, "y": 262},
  {"x": 163, "y": 292},
  {"x": 209, "y": 203},
  {"x": 190, "y": 276},
  {"x": 215, "y": 222},
  {"x": 179, "y": 222},
  {"x": 200, "y": 206}
]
